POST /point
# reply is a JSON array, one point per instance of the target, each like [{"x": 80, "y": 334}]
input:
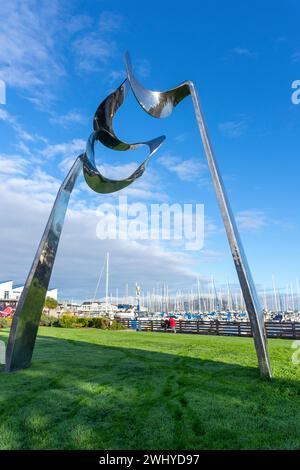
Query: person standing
[{"x": 172, "y": 324}]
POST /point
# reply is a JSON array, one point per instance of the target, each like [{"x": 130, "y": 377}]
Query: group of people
[{"x": 168, "y": 323}]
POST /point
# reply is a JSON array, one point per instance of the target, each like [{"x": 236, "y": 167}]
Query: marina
[{"x": 206, "y": 300}]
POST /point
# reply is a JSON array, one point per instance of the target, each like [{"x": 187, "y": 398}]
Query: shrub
[
  {"x": 9, "y": 321},
  {"x": 47, "y": 320},
  {"x": 67, "y": 321},
  {"x": 81, "y": 322},
  {"x": 115, "y": 325},
  {"x": 3, "y": 323},
  {"x": 99, "y": 322}
]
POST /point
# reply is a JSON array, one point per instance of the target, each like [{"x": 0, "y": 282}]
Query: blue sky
[{"x": 60, "y": 60}]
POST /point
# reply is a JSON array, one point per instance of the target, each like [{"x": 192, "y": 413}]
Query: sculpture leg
[
  {"x": 247, "y": 285},
  {"x": 30, "y": 306}
]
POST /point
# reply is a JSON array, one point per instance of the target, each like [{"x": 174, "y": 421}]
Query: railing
[{"x": 286, "y": 330}]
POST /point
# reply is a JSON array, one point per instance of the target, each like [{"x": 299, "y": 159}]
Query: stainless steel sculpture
[
  {"x": 161, "y": 104},
  {"x": 158, "y": 104}
]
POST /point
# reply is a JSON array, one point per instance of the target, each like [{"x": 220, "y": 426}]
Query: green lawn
[{"x": 94, "y": 389}]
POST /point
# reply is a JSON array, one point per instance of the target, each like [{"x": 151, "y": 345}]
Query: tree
[{"x": 50, "y": 303}]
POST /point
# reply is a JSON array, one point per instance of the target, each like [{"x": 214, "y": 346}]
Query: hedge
[{"x": 71, "y": 321}]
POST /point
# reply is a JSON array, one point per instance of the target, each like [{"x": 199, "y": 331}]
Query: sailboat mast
[
  {"x": 275, "y": 294},
  {"x": 229, "y": 306},
  {"x": 298, "y": 298},
  {"x": 292, "y": 298},
  {"x": 106, "y": 286},
  {"x": 265, "y": 300},
  {"x": 199, "y": 299},
  {"x": 212, "y": 305}
]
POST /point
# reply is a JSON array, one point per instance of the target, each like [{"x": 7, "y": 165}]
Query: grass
[{"x": 93, "y": 389}]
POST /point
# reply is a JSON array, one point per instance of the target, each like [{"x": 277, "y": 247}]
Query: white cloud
[
  {"x": 12, "y": 165},
  {"x": 243, "y": 51},
  {"x": 78, "y": 23},
  {"x": 116, "y": 76},
  {"x": 28, "y": 55},
  {"x": 110, "y": 22},
  {"x": 66, "y": 150},
  {"x": 252, "y": 220},
  {"x": 26, "y": 203},
  {"x": 181, "y": 137},
  {"x": 187, "y": 170},
  {"x": 23, "y": 149},
  {"x": 92, "y": 52},
  {"x": 233, "y": 128},
  {"x": 5, "y": 116},
  {"x": 34, "y": 37},
  {"x": 72, "y": 117},
  {"x": 142, "y": 68}
]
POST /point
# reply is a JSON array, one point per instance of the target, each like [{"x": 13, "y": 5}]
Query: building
[
  {"x": 98, "y": 308},
  {"x": 69, "y": 306},
  {"x": 10, "y": 293}
]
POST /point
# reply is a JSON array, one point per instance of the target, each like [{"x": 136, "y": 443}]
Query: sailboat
[{"x": 97, "y": 308}]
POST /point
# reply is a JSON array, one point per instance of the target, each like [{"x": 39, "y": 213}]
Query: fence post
[
  {"x": 217, "y": 327},
  {"x": 151, "y": 325},
  {"x": 294, "y": 330},
  {"x": 180, "y": 326},
  {"x": 198, "y": 326}
]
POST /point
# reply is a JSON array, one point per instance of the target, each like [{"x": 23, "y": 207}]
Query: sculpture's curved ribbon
[
  {"x": 104, "y": 133},
  {"x": 159, "y": 104}
]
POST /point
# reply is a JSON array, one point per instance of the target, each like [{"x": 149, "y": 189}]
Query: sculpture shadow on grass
[{"x": 92, "y": 396}]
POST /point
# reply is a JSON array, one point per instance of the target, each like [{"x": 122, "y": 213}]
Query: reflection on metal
[
  {"x": 161, "y": 104},
  {"x": 27, "y": 316},
  {"x": 103, "y": 132},
  {"x": 156, "y": 103}
]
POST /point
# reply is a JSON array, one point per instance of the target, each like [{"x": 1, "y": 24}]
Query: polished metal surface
[
  {"x": 160, "y": 104},
  {"x": 28, "y": 313},
  {"x": 104, "y": 133}
]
